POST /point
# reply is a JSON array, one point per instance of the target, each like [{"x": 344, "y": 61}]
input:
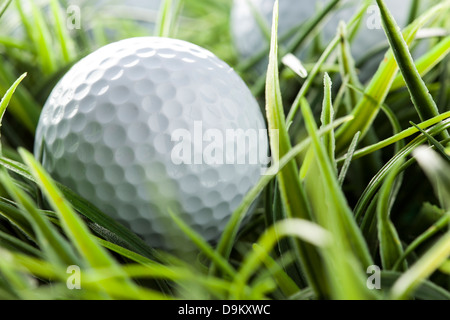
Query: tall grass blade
[
  {"x": 427, "y": 62},
  {"x": 420, "y": 95},
  {"x": 333, "y": 213},
  {"x": 292, "y": 193}
]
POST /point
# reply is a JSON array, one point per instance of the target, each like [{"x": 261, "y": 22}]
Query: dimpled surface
[
  {"x": 249, "y": 39},
  {"x": 106, "y": 131}
]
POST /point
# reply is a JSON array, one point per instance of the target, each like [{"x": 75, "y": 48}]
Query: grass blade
[
  {"x": 420, "y": 95},
  {"x": 88, "y": 248},
  {"x": 426, "y": 63},
  {"x": 390, "y": 245},
  {"x": 7, "y": 98},
  {"x": 422, "y": 269},
  {"x": 439, "y": 147},
  {"x": 57, "y": 250},
  {"x": 327, "y": 117},
  {"x": 65, "y": 41},
  {"x": 305, "y": 230},
  {"x": 397, "y": 137},
  {"x": 228, "y": 236},
  {"x": 348, "y": 159},
  {"x": 4, "y": 7},
  {"x": 334, "y": 214},
  {"x": 292, "y": 193}
]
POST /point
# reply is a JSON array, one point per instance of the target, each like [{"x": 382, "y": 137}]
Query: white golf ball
[
  {"x": 249, "y": 38},
  {"x": 143, "y": 125}
]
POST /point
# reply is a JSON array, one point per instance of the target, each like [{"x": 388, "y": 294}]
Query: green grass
[{"x": 350, "y": 187}]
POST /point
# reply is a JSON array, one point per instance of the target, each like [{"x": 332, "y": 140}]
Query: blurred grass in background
[{"x": 348, "y": 194}]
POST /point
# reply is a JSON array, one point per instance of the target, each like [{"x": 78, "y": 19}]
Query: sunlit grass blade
[
  {"x": 228, "y": 238},
  {"x": 426, "y": 290},
  {"x": 88, "y": 248},
  {"x": 292, "y": 193},
  {"x": 22, "y": 105},
  {"x": 181, "y": 275},
  {"x": 397, "y": 137},
  {"x": 333, "y": 213},
  {"x": 423, "y": 101},
  {"x": 90, "y": 283},
  {"x": 427, "y": 62},
  {"x": 7, "y": 98},
  {"x": 297, "y": 41},
  {"x": 422, "y": 269},
  {"x": 337, "y": 198},
  {"x": 347, "y": 66},
  {"x": 42, "y": 41}
]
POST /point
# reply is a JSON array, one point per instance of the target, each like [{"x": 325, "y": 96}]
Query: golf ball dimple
[
  {"x": 113, "y": 140},
  {"x": 249, "y": 39}
]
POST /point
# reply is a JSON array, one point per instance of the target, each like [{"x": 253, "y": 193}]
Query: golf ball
[
  {"x": 249, "y": 39},
  {"x": 143, "y": 125}
]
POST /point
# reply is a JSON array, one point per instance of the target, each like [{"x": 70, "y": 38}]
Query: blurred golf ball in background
[{"x": 249, "y": 39}]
